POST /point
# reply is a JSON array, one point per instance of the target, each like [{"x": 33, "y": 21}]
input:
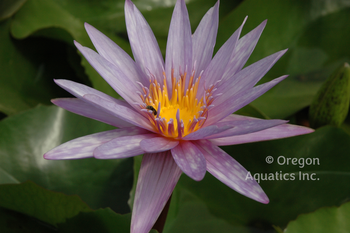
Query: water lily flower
[{"x": 175, "y": 112}]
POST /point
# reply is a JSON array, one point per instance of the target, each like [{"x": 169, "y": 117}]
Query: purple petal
[
  {"x": 207, "y": 131},
  {"x": 79, "y": 90},
  {"x": 179, "y": 44},
  {"x": 248, "y": 77},
  {"x": 247, "y": 126},
  {"x": 280, "y": 131},
  {"x": 190, "y": 160},
  {"x": 217, "y": 66},
  {"x": 114, "y": 54},
  {"x": 204, "y": 38},
  {"x": 239, "y": 100},
  {"x": 157, "y": 179},
  {"x": 243, "y": 50},
  {"x": 121, "y": 147},
  {"x": 143, "y": 42},
  {"x": 230, "y": 172},
  {"x": 158, "y": 144},
  {"x": 83, "y": 147},
  {"x": 85, "y": 109},
  {"x": 125, "y": 86},
  {"x": 119, "y": 111}
]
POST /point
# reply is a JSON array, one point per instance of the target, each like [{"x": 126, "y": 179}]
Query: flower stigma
[{"x": 180, "y": 113}]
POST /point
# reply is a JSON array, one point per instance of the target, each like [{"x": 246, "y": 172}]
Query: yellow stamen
[{"x": 183, "y": 100}]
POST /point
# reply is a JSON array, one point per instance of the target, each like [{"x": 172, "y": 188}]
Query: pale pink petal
[
  {"x": 158, "y": 144},
  {"x": 114, "y": 76},
  {"x": 85, "y": 109},
  {"x": 121, "y": 147},
  {"x": 115, "y": 55},
  {"x": 204, "y": 39},
  {"x": 179, "y": 44},
  {"x": 143, "y": 42},
  {"x": 230, "y": 172},
  {"x": 280, "y": 131},
  {"x": 217, "y": 66},
  {"x": 207, "y": 131},
  {"x": 235, "y": 117},
  {"x": 79, "y": 90},
  {"x": 83, "y": 147},
  {"x": 190, "y": 160},
  {"x": 243, "y": 50},
  {"x": 119, "y": 111},
  {"x": 247, "y": 78},
  {"x": 247, "y": 126},
  {"x": 157, "y": 179},
  {"x": 239, "y": 100}
]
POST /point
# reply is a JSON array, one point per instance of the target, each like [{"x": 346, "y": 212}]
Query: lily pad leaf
[
  {"x": 25, "y": 137},
  {"x": 35, "y": 201},
  {"x": 102, "y": 220},
  {"x": 327, "y": 219},
  {"x": 9, "y": 7},
  {"x": 24, "y": 68}
]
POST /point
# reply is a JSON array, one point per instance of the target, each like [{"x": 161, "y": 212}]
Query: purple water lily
[{"x": 177, "y": 113}]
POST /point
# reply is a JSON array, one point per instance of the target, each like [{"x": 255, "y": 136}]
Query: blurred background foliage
[{"x": 36, "y": 44}]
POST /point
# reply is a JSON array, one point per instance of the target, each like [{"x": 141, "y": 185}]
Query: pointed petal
[
  {"x": 243, "y": 50},
  {"x": 125, "y": 86},
  {"x": 247, "y": 126},
  {"x": 237, "y": 101},
  {"x": 207, "y": 131},
  {"x": 79, "y": 90},
  {"x": 143, "y": 42},
  {"x": 248, "y": 77},
  {"x": 217, "y": 66},
  {"x": 119, "y": 111},
  {"x": 157, "y": 179},
  {"x": 190, "y": 160},
  {"x": 121, "y": 147},
  {"x": 280, "y": 131},
  {"x": 230, "y": 172},
  {"x": 204, "y": 38},
  {"x": 85, "y": 109},
  {"x": 83, "y": 147},
  {"x": 179, "y": 45},
  {"x": 114, "y": 54},
  {"x": 158, "y": 144}
]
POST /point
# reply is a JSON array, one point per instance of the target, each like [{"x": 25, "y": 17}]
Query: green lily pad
[
  {"x": 25, "y": 70},
  {"x": 14, "y": 222},
  {"x": 9, "y": 7},
  {"x": 47, "y": 206},
  {"x": 102, "y": 220},
  {"x": 328, "y": 219},
  {"x": 192, "y": 215},
  {"x": 31, "y": 208},
  {"x": 25, "y": 137}
]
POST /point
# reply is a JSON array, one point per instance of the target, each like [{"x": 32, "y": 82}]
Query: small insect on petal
[{"x": 152, "y": 109}]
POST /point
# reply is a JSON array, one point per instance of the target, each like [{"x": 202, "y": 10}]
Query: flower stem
[{"x": 159, "y": 225}]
